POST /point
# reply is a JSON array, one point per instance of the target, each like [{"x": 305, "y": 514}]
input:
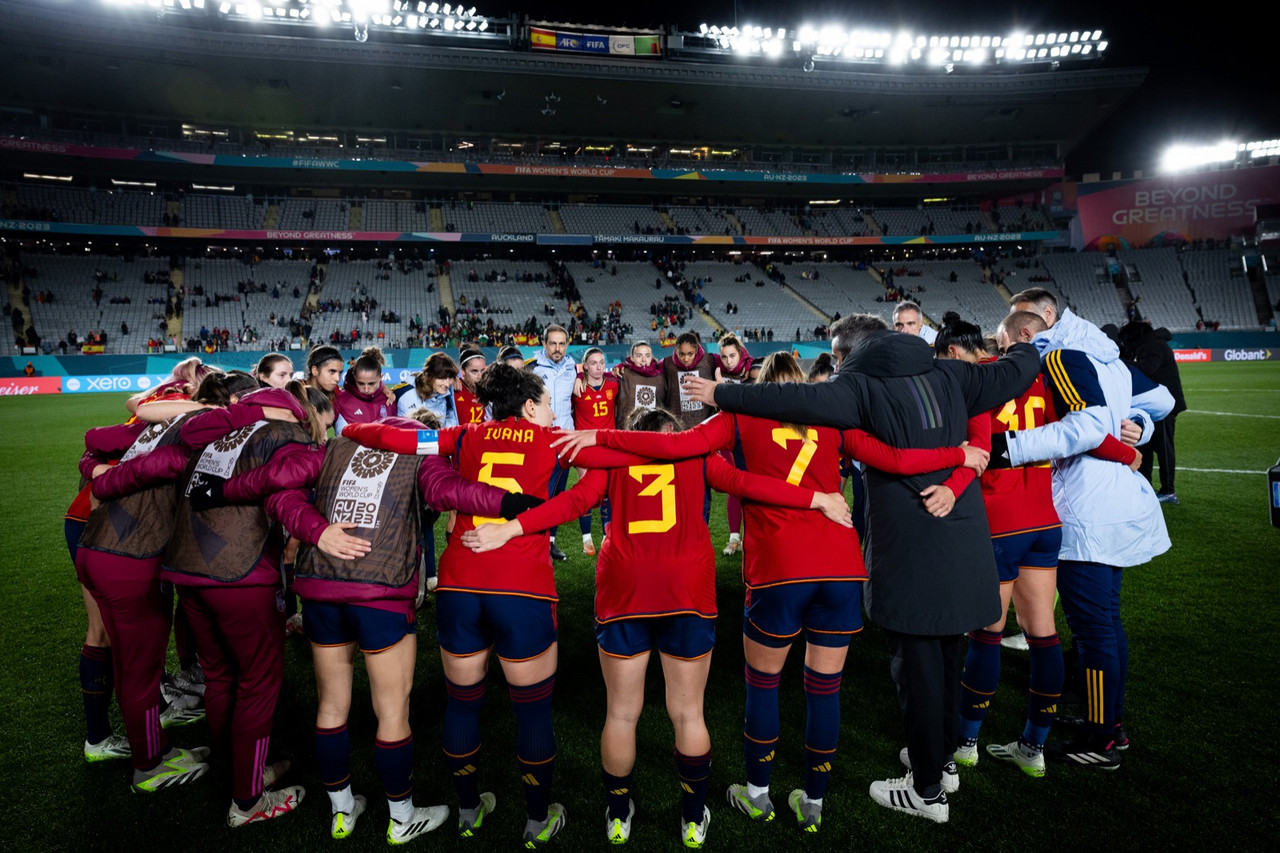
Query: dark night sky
[{"x": 1206, "y": 72}]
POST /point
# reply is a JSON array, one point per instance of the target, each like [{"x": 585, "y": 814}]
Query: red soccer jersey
[
  {"x": 470, "y": 409},
  {"x": 1020, "y": 499},
  {"x": 596, "y": 409},
  {"x": 789, "y": 545},
  {"x": 657, "y": 559}
]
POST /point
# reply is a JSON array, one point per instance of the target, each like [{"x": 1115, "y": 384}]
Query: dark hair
[
  {"x": 506, "y": 389},
  {"x": 688, "y": 338},
  {"x": 958, "y": 333},
  {"x": 369, "y": 361},
  {"x": 268, "y": 362},
  {"x": 510, "y": 352},
  {"x": 652, "y": 420},
  {"x": 852, "y": 329},
  {"x": 468, "y": 354},
  {"x": 217, "y": 389},
  {"x": 823, "y": 366},
  {"x": 437, "y": 366}
]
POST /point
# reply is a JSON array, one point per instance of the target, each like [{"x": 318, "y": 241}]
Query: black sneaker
[
  {"x": 557, "y": 554},
  {"x": 1168, "y": 498},
  {"x": 1086, "y": 752},
  {"x": 1079, "y": 726}
]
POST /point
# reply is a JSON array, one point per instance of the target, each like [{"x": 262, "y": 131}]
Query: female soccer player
[
  {"x": 689, "y": 357},
  {"x": 818, "y": 593},
  {"x": 225, "y": 561},
  {"x": 655, "y": 587},
  {"x": 468, "y": 406},
  {"x": 324, "y": 370},
  {"x": 118, "y": 560},
  {"x": 595, "y": 401},
  {"x": 364, "y": 591},
  {"x": 433, "y": 389},
  {"x": 274, "y": 370},
  {"x": 734, "y": 364},
  {"x": 501, "y": 601},
  {"x": 640, "y": 383},
  {"x": 363, "y": 398}
]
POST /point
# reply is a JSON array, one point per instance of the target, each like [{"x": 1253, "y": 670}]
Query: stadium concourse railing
[{"x": 25, "y": 375}]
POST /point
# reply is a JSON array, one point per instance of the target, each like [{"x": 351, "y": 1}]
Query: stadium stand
[
  {"x": 1083, "y": 281},
  {"x": 1156, "y": 278},
  {"x": 1219, "y": 288}
]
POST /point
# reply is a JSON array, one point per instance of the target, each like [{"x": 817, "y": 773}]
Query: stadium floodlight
[
  {"x": 702, "y": 28},
  {"x": 1179, "y": 158}
]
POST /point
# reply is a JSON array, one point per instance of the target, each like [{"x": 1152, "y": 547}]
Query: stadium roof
[{"x": 118, "y": 66}]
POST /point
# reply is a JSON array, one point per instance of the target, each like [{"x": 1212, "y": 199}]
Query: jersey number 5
[
  {"x": 487, "y": 463},
  {"x": 662, "y": 485}
]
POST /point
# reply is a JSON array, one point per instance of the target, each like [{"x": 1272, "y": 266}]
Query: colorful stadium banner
[
  {"x": 541, "y": 38},
  {"x": 1174, "y": 209},
  {"x": 118, "y": 382},
  {"x": 506, "y": 238},
  {"x": 25, "y": 386},
  {"x": 1242, "y": 354}
]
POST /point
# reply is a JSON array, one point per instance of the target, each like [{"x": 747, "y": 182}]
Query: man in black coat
[
  {"x": 932, "y": 578},
  {"x": 1148, "y": 350}
]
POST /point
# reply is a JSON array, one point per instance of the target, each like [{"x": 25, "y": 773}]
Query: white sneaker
[
  {"x": 469, "y": 820},
  {"x": 899, "y": 795},
  {"x": 423, "y": 820},
  {"x": 616, "y": 829},
  {"x": 1031, "y": 761},
  {"x": 693, "y": 834},
  {"x": 733, "y": 547},
  {"x": 181, "y": 712},
  {"x": 112, "y": 746},
  {"x": 344, "y": 823},
  {"x": 966, "y": 754},
  {"x": 270, "y": 805},
  {"x": 950, "y": 773},
  {"x": 1016, "y": 642}
]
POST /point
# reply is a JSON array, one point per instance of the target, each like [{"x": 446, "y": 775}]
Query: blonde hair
[{"x": 782, "y": 366}]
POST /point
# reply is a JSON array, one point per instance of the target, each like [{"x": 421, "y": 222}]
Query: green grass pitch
[{"x": 1201, "y": 694}]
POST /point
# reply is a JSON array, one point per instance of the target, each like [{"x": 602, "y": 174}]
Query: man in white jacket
[
  {"x": 558, "y": 372},
  {"x": 1110, "y": 516}
]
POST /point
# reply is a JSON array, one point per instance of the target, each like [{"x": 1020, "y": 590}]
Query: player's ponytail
[
  {"x": 782, "y": 366},
  {"x": 316, "y": 405},
  {"x": 959, "y": 334}
]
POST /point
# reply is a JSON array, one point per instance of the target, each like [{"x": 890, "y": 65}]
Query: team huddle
[{"x": 223, "y": 487}]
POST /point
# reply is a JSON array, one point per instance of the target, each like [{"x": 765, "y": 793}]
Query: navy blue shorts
[
  {"x": 829, "y": 613},
  {"x": 517, "y": 628},
  {"x": 683, "y": 635},
  {"x": 372, "y": 629},
  {"x": 1036, "y": 549}
]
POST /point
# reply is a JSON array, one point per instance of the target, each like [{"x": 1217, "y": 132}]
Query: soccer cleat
[
  {"x": 1082, "y": 727},
  {"x": 194, "y": 755},
  {"x": 293, "y": 626},
  {"x": 760, "y": 808},
  {"x": 899, "y": 795},
  {"x": 588, "y": 547},
  {"x": 966, "y": 754},
  {"x": 808, "y": 813},
  {"x": 179, "y": 714},
  {"x": 616, "y": 829},
  {"x": 1121, "y": 737},
  {"x": 950, "y": 773},
  {"x": 1031, "y": 761},
  {"x": 423, "y": 820},
  {"x": 171, "y": 771},
  {"x": 469, "y": 820},
  {"x": 694, "y": 835},
  {"x": 538, "y": 833},
  {"x": 112, "y": 746},
  {"x": 556, "y": 553},
  {"x": 182, "y": 683},
  {"x": 270, "y": 805},
  {"x": 1088, "y": 752},
  {"x": 1168, "y": 498},
  {"x": 273, "y": 773},
  {"x": 1016, "y": 642},
  {"x": 344, "y": 823},
  {"x": 734, "y": 546}
]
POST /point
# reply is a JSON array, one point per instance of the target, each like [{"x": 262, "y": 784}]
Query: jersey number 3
[{"x": 663, "y": 485}]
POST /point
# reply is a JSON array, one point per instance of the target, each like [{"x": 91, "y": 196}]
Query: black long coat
[{"x": 929, "y": 576}]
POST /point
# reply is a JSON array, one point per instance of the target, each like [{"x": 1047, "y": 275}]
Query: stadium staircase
[
  {"x": 557, "y": 222},
  {"x": 1122, "y": 289},
  {"x": 668, "y": 222},
  {"x": 173, "y": 207},
  {"x": 712, "y": 321},
  {"x": 355, "y": 217},
  {"x": 873, "y": 227},
  {"x": 1258, "y": 286},
  {"x": 823, "y": 315},
  {"x": 1005, "y": 293},
  {"x": 13, "y": 274},
  {"x": 446, "y": 291},
  {"x": 436, "y": 218},
  {"x": 735, "y": 222},
  {"x": 173, "y": 325},
  {"x": 271, "y": 217}
]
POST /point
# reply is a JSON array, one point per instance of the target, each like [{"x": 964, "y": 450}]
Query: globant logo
[{"x": 1247, "y": 355}]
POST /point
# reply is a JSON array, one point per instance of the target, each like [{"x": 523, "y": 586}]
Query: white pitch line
[
  {"x": 1219, "y": 470},
  {"x": 1232, "y": 414}
]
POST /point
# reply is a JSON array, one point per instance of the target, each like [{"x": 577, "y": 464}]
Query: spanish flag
[{"x": 542, "y": 39}]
